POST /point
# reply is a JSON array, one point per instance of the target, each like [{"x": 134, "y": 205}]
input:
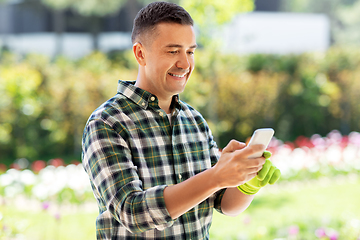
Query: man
[{"x": 154, "y": 167}]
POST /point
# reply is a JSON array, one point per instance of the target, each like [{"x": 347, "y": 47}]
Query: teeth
[{"x": 175, "y": 75}]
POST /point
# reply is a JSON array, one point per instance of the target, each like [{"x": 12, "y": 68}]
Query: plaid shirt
[{"x": 131, "y": 152}]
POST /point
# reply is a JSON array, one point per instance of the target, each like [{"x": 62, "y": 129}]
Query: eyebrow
[{"x": 179, "y": 46}]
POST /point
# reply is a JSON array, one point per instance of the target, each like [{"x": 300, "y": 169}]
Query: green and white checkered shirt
[{"x": 131, "y": 152}]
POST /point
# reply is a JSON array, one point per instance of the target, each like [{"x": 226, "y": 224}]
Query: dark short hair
[{"x": 158, "y": 12}]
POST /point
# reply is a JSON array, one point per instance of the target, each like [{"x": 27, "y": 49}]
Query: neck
[
  {"x": 165, "y": 104},
  {"x": 164, "y": 101}
]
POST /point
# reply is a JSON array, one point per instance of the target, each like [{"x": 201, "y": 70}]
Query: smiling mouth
[{"x": 176, "y": 75}]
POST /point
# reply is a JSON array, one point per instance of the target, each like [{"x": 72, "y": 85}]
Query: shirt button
[
  {"x": 161, "y": 114},
  {"x": 180, "y": 176},
  {"x": 152, "y": 98},
  {"x": 143, "y": 104}
]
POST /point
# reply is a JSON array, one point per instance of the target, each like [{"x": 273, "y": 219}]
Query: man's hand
[
  {"x": 268, "y": 174},
  {"x": 234, "y": 167}
]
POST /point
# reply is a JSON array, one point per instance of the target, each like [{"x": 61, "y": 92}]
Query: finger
[
  {"x": 247, "y": 178},
  {"x": 264, "y": 171},
  {"x": 275, "y": 176},
  {"x": 253, "y": 163},
  {"x": 252, "y": 170},
  {"x": 251, "y": 176},
  {"x": 250, "y": 150},
  {"x": 267, "y": 154},
  {"x": 268, "y": 176},
  {"x": 234, "y": 145}
]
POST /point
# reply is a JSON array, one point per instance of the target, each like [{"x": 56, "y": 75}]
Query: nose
[{"x": 183, "y": 62}]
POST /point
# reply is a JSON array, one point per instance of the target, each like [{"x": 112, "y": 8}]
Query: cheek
[
  {"x": 154, "y": 67},
  {"x": 192, "y": 63},
  {"x": 192, "y": 66},
  {"x": 158, "y": 70},
  {"x": 164, "y": 65}
]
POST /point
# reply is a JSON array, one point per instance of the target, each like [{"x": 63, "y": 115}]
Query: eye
[
  {"x": 191, "y": 53},
  {"x": 173, "y": 52}
]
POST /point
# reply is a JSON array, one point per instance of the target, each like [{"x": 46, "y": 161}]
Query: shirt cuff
[
  {"x": 218, "y": 199},
  {"x": 155, "y": 203}
]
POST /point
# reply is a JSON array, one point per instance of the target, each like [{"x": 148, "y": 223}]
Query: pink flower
[
  {"x": 247, "y": 219},
  {"x": 354, "y": 138},
  {"x": 293, "y": 230},
  {"x": 320, "y": 233},
  {"x": 333, "y": 235},
  {"x": 57, "y": 216},
  {"x": 45, "y": 205}
]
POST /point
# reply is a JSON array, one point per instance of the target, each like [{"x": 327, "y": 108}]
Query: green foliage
[
  {"x": 213, "y": 11},
  {"x": 294, "y": 94},
  {"x": 45, "y": 104}
]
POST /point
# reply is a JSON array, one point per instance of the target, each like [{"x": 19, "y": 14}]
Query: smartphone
[{"x": 261, "y": 136}]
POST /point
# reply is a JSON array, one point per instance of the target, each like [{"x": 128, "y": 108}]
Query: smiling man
[
  {"x": 153, "y": 165},
  {"x": 166, "y": 59}
]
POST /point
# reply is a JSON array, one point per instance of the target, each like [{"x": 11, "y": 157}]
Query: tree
[
  {"x": 344, "y": 20},
  {"x": 347, "y": 31}
]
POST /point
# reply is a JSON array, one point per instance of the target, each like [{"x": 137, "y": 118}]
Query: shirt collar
[{"x": 142, "y": 97}]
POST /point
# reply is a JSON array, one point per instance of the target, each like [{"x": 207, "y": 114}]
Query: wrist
[{"x": 213, "y": 180}]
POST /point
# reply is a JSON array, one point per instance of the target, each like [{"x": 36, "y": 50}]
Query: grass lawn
[
  {"x": 44, "y": 225},
  {"x": 331, "y": 204}
]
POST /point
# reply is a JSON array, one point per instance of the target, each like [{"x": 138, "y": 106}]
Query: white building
[{"x": 277, "y": 33}]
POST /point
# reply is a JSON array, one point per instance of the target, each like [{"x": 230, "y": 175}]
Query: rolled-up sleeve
[
  {"x": 215, "y": 155},
  {"x": 108, "y": 161}
]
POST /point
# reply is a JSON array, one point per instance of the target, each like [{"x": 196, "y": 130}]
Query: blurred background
[{"x": 290, "y": 65}]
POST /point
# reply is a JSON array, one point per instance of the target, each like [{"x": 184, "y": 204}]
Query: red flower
[
  {"x": 38, "y": 165},
  {"x": 344, "y": 141},
  {"x": 15, "y": 166},
  {"x": 302, "y": 141},
  {"x": 56, "y": 162},
  {"x": 3, "y": 168},
  {"x": 290, "y": 145},
  {"x": 75, "y": 162}
]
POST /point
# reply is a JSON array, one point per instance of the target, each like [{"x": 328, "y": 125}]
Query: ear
[{"x": 139, "y": 53}]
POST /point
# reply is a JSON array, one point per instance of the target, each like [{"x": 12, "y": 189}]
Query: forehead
[{"x": 174, "y": 33}]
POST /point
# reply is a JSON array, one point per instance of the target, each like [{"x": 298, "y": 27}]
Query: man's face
[{"x": 169, "y": 59}]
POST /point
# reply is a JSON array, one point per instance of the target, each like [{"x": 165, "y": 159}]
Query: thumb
[{"x": 233, "y": 145}]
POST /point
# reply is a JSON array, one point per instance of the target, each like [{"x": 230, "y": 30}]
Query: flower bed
[
  {"x": 315, "y": 157},
  {"x": 55, "y": 182},
  {"x": 52, "y": 182}
]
